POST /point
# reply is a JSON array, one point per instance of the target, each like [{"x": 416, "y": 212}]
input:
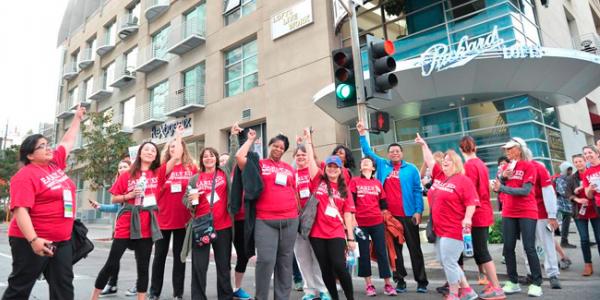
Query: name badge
[
  {"x": 281, "y": 179},
  {"x": 67, "y": 204},
  {"x": 304, "y": 193},
  {"x": 149, "y": 200},
  {"x": 215, "y": 198},
  {"x": 331, "y": 211},
  {"x": 176, "y": 188},
  {"x": 194, "y": 191}
]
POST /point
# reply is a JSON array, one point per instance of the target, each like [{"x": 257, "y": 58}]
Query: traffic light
[
  {"x": 381, "y": 68},
  {"x": 343, "y": 70},
  {"x": 380, "y": 121}
]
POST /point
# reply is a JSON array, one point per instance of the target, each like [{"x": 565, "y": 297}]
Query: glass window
[
  {"x": 134, "y": 12},
  {"x": 158, "y": 99},
  {"x": 111, "y": 33},
  {"x": 89, "y": 87},
  {"x": 128, "y": 109},
  {"x": 73, "y": 96},
  {"x": 75, "y": 57},
  {"x": 235, "y": 9},
  {"x": 108, "y": 76},
  {"x": 131, "y": 59},
  {"x": 159, "y": 43},
  {"x": 461, "y": 8},
  {"x": 193, "y": 84},
  {"x": 260, "y": 144},
  {"x": 91, "y": 44},
  {"x": 241, "y": 69},
  {"x": 195, "y": 21}
]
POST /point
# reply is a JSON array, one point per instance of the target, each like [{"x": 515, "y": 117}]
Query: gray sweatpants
[
  {"x": 274, "y": 241},
  {"x": 448, "y": 252}
]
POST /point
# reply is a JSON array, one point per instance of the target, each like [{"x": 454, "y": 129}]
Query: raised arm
[
  {"x": 234, "y": 146},
  {"x": 364, "y": 144},
  {"x": 241, "y": 155},
  {"x": 69, "y": 138},
  {"x": 178, "y": 148},
  {"x": 313, "y": 168},
  {"x": 427, "y": 155}
]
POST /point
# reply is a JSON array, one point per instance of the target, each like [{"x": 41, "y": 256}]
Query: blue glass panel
[{"x": 425, "y": 18}]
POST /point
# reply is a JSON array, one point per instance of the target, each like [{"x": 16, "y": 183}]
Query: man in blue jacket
[{"x": 402, "y": 184}]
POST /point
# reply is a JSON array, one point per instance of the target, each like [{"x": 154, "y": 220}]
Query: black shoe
[
  {"x": 555, "y": 283},
  {"x": 108, "y": 291},
  {"x": 444, "y": 289},
  {"x": 526, "y": 280},
  {"x": 592, "y": 244},
  {"x": 566, "y": 245},
  {"x": 401, "y": 286}
]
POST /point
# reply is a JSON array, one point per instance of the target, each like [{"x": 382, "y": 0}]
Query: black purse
[{"x": 203, "y": 230}]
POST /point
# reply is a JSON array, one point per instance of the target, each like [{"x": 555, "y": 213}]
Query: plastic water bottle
[
  {"x": 468, "y": 242},
  {"x": 359, "y": 234},
  {"x": 350, "y": 260},
  {"x": 142, "y": 185},
  {"x": 583, "y": 210}
]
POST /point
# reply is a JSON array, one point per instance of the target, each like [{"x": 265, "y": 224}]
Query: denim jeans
[
  {"x": 584, "y": 235},
  {"x": 511, "y": 228}
]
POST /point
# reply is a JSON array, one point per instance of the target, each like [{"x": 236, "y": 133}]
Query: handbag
[
  {"x": 203, "y": 230},
  {"x": 307, "y": 216},
  {"x": 431, "y": 237},
  {"x": 81, "y": 244}
]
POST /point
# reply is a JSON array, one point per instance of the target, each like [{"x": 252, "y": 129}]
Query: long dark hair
[
  {"x": 348, "y": 158},
  {"x": 201, "y": 163},
  {"x": 28, "y": 147},
  {"x": 136, "y": 166},
  {"x": 342, "y": 187}
]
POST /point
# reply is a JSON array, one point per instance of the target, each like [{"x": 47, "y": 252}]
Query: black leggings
[
  {"x": 331, "y": 256},
  {"x": 240, "y": 249},
  {"x": 143, "y": 250},
  {"x": 161, "y": 250}
]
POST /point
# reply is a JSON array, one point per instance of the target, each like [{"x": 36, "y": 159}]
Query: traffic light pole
[{"x": 361, "y": 100}]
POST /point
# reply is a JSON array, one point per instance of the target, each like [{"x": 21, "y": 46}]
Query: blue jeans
[
  {"x": 511, "y": 229},
  {"x": 377, "y": 234},
  {"x": 584, "y": 235}
]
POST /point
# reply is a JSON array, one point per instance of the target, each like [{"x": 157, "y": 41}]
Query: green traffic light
[{"x": 344, "y": 91}]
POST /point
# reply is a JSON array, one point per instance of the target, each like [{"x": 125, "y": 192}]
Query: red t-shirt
[
  {"x": 328, "y": 220},
  {"x": 592, "y": 174},
  {"x": 520, "y": 206},
  {"x": 590, "y": 212},
  {"x": 476, "y": 170},
  {"x": 278, "y": 198},
  {"x": 125, "y": 184},
  {"x": 172, "y": 214},
  {"x": 221, "y": 217},
  {"x": 450, "y": 200},
  {"x": 368, "y": 193},
  {"x": 542, "y": 180},
  {"x": 437, "y": 176},
  {"x": 393, "y": 191},
  {"x": 303, "y": 185},
  {"x": 40, "y": 189}
]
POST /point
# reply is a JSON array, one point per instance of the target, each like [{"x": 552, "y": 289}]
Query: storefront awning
[{"x": 560, "y": 76}]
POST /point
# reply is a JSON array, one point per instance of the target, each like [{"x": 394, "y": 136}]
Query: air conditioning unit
[
  {"x": 588, "y": 46},
  {"x": 180, "y": 91}
]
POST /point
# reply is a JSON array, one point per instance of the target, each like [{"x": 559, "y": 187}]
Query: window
[
  {"x": 159, "y": 43},
  {"x": 158, "y": 99},
  {"x": 108, "y": 76},
  {"x": 464, "y": 7},
  {"x": 128, "y": 109},
  {"x": 73, "y": 96},
  {"x": 88, "y": 85},
  {"x": 260, "y": 144},
  {"x": 110, "y": 31},
  {"x": 134, "y": 13},
  {"x": 194, "y": 21},
  {"x": 131, "y": 59},
  {"x": 235, "y": 9},
  {"x": 193, "y": 84},
  {"x": 241, "y": 69},
  {"x": 91, "y": 44},
  {"x": 75, "y": 57}
]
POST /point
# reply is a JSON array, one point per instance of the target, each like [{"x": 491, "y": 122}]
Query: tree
[
  {"x": 9, "y": 164},
  {"x": 105, "y": 146},
  {"x": 394, "y": 7}
]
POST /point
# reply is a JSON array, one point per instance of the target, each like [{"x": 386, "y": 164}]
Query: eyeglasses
[{"x": 43, "y": 146}]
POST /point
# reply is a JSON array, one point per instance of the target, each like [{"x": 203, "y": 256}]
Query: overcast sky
[{"x": 29, "y": 62}]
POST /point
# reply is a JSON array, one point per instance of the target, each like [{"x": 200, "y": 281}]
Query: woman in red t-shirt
[
  {"x": 519, "y": 214},
  {"x": 42, "y": 200},
  {"x": 333, "y": 227},
  {"x": 137, "y": 190},
  {"x": 369, "y": 200},
  {"x": 276, "y": 224},
  {"x": 213, "y": 183},
  {"x": 583, "y": 186},
  {"x": 453, "y": 200},
  {"x": 176, "y": 169},
  {"x": 483, "y": 218}
]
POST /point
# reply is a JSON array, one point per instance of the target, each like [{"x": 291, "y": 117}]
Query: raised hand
[
  {"x": 360, "y": 126},
  {"x": 236, "y": 129},
  {"x": 419, "y": 140},
  {"x": 251, "y": 134},
  {"x": 80, "y": 112}
]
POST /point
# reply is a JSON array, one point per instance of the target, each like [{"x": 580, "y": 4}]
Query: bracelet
[
  {"x": 33, "y": 240},
  {"x": 350, "y": 240}
]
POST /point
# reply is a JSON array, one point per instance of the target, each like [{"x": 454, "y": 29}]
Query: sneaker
[
  {"x": 444, "y": 289},
  {"x": 389, "y": 290},
  {"x": 566, "y": 245},
  {"x": 422, "y": 289},
  {"x": 451, "y": 297},
  {"x": 324, "y": 296},
  {"x": 555, "y": 283},
  {"x": 370, "y": 291},
  {"x": 309, "y": 296},
  {"x": 492, "y": 293},
  {"x": 468, "y": 294},
  {"x": 153, "y": 297},
  {"x": 298, "y": 286},
  {"x": 511, "y": 288},
  {"x": 240, "y": 294},
  {"x": 534, "y": 291},
  {"x": 108, "y": 290},
  {"x": 482, "y": 280},
  {"x": 131, "y": 291},
  {"x": 401, "y": 286},
  {"x": 177, "y": 298},
  {"x": 338, "y": 287}
]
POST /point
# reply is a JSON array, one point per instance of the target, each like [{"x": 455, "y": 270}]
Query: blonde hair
[
  {"x": 186, "y": 159},
  {"x": 456, "y": 161}
]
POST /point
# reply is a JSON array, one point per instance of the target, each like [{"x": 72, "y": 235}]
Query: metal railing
[
  {"x": 158, "y": 2},
  {"x": 188, "y": 95},
  {"x": 589, "y": 42},
  {"x": 87, "y": 54},
  {"x": 70, "y": 68},
  {"x": 64, "y": 107},
  {"x": 129, "y": 20},
  {"x": 124, "y": 68},
  {"x": 187, "y": 28},
  {"x": 147, "y": 111}
]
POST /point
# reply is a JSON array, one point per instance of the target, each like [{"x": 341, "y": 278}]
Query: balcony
[
  {"x": 186, "y": 100},
  {"x": 153, "y": 59},
  {"x": 81, "y": 101},
  {"x": 126, "y": 127},
  {"x": 128, "y": 26},
  {"x": 156, "y": 9},
  {"x": 105, "y": 47},
  {"x": 102, "y": 93},
  {"x": 589, "y": 42},
  {"x": 189, "y": 36},
  {"x": 147, "y": 116},
  {"x": 64, "y": 110},
  {"x": 70, "y": 71},
  {"x": 124, "y": 74},
  {"x": 87, "y": 58}
]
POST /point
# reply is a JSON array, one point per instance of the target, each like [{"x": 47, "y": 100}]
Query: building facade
[{"x": 152, "y": 64}]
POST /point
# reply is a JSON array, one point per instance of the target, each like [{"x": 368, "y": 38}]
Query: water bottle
[
  {"x": 350, "y": 260},
  {"x": 583, "y": 210},
  {"x": 142, "y": 185},
  {"x": 359, "y": 234},
  {"x": 468, "y": 242}
]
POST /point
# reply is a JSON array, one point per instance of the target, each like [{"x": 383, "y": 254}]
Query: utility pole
[{"x": 361, "y": 101}]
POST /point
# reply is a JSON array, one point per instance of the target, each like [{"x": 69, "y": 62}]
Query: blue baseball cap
[{"x": 334, "y": 159}]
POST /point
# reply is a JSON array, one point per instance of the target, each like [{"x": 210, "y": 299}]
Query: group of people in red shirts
[{"x": 257, "y": 204}]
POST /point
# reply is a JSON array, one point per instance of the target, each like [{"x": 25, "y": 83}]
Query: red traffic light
[{"x": 388, "y": 46}]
